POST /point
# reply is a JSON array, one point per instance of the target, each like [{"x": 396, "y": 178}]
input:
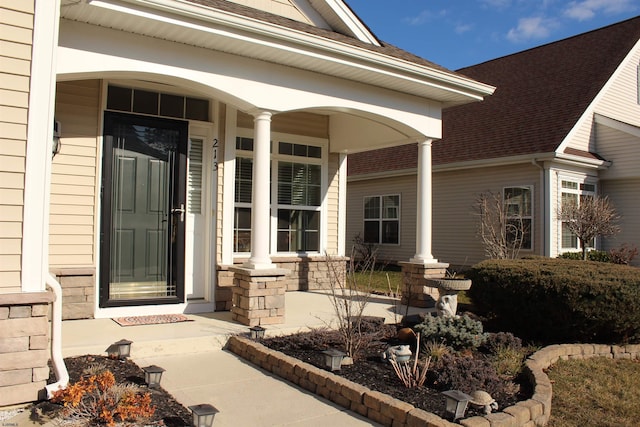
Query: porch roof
[{"x": 240, "y": 30}]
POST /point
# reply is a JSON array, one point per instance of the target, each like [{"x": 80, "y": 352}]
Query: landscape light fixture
[
  {"x": 122, "y": 348},
  {"x": 456, "y": 404},
  {"x": 333, "y": 359},
  {"x": 203, "y": 415},
  {"x": 257, "y": 332},
  {"x": 153, "y": 375}
]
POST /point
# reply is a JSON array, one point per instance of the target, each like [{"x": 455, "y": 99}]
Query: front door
[{"x": 143, "y": 210}]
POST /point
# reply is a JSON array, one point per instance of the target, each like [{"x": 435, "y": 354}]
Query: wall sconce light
[
  {"x": 57, "y": 132},
  {"x": 203, "y": 415},
  {"x": 256, "y": 332},
  {"x": 456, "y": 404},
  {"x": 120, "y": 349},
  {"x": 333, "y": 359},
  {"x": 153, "y": 375}
]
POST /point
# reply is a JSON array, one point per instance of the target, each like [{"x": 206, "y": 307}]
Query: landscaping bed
[
  {"x": 167, "y": 411},
  {"x": 369, "y": 370}
]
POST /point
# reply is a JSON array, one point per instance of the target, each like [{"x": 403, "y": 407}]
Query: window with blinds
[{"x": 194, "y": 176}]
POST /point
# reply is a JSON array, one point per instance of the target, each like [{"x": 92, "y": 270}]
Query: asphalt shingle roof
[
  {"x": 386, "y": 48},
  {"x": 540, "y": 95}
]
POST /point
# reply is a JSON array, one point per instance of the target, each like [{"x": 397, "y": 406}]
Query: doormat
[{"x": 151, "y": 320}]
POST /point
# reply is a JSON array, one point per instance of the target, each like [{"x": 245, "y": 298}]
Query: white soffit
[{"x": 195, "y": 25}]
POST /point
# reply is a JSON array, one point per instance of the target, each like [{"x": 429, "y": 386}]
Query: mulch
[{"x": 168, "y": 411}]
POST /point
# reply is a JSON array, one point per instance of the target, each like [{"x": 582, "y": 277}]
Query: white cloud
[
  {"x": 497, "y": 4},
  {"x": 421, "y": 18},
  {"x": 531, "y": 28},
  {"x": 587, "y": 9},
  {"x": 463, "y": 28},
  {"x": 425, "y": 16}
]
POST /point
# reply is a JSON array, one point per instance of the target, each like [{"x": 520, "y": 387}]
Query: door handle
[{"x": 179, "y": 210}]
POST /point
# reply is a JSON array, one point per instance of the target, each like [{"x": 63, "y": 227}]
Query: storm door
[{"x": 143, "y": 210}]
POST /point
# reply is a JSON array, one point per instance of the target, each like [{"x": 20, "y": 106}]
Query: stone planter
[
  {"x": 452, "y": 284},
  {"x": 447, "y": 303}
]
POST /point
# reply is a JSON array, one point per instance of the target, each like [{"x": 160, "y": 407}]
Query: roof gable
[
  {"x": 540, "y": 95},
  {"x": 333, "y": 15}
]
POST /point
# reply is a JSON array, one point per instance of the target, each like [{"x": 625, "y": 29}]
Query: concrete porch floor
[{"x": 198, "y": 370}]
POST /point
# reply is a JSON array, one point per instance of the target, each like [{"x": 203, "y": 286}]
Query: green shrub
[
  {"x": 598, "y": 256},
  {"x": 558, "y": 300},
  {"x": 458, "y": 332}
]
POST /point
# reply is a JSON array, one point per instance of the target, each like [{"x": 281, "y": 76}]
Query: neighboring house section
[
  {"x": 199, "y": 161},
  {"x": 564, "y": 122}
]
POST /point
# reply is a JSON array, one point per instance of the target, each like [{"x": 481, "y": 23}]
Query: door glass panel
[{"x": 146, "y": 232}]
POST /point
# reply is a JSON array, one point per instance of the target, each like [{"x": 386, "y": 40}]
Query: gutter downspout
[{"x": 59, "y": 367}]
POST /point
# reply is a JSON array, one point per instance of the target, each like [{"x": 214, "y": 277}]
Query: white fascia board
[
  {"x": 344, "y": 13},
  {"x": 302, "y": 43},
  {"x": 617, "y": 125},
  {"x": 557, "y": 158}
]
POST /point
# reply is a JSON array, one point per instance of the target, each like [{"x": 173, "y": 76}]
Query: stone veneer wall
[
  {"x": 78, "y": 291},
  {"x": 389, "y": 411},
  {"x": 417, "y": 289},
  {"x": 305, "y": 273},
  {"x": 24, "y": 346}
]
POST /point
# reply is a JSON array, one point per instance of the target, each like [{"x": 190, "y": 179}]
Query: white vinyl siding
[
  {"x": 16, "y": 20},
  {"x": 405, "y": 187},
  {"x": 623, "y": 195},
  {"x": 73, "y": 179},
  {"x": 455, "y": 222},
  {"x": 617, "y": 100},
  {"x": 622, "y": 149}
]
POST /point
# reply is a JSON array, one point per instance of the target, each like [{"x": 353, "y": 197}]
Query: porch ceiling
[{"x": 223, "y": 31}]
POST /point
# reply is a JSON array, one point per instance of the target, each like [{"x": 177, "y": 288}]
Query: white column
[
  {"x": 423, "y": 220},
  {"x": 260, "y": 209}
]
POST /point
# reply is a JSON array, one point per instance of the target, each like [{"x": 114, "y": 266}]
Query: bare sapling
[
  {"x": 411, "y": 374},
  {"x": 502, "y": 233},
  {"x": 349, "y": 298}
]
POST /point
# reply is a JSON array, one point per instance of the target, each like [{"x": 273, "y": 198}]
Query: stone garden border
[{"x": 388, "y": 411}]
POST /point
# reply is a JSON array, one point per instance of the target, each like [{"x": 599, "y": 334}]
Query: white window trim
[
  {"x": 578, "y": 180},
  {"x": 379, "y": 220},
  {"x": 532, "y": 216},
  {"x": 275, "y": 157}
]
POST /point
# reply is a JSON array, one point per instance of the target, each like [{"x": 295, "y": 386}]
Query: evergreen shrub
[
  {"x": 460, "y": 332},
  {"x": 558, "y": 300}
]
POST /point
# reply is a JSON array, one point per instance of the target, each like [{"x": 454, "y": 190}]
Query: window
[
  {"x": 519, "y": 222},
  {"x": 382, "y": 219},
  {"x": 194, "y": 178},
  {"x": 242, "y": 198},
  {"x": 297, "y": 186},
  {"x": 157, "y": 104},
  {"x": 571, "y": 193}
]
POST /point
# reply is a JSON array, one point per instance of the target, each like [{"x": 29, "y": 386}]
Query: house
[
  {"x": 564, "y": 122},
  {"x": 184, "y": 156}
]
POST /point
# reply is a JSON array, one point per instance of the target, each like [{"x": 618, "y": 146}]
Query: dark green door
[{"x": 143, "y": 199}]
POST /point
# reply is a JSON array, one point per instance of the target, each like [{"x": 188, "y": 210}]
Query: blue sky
[{"x": 459, "y": 33}]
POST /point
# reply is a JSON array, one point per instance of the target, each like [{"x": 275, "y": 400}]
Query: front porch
[{"x": 210, "y": 331}]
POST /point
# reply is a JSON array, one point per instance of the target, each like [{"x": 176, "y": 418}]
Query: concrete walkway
[{"x": 198, "y": 370}]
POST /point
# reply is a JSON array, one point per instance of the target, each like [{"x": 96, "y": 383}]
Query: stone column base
[
  {"x": 258, "y": 295},
  {"x": 417, "y": 289}
]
